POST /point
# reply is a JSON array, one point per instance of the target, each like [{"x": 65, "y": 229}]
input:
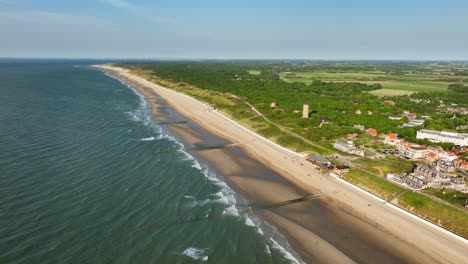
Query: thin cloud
[{"x": 122, "y": 4}]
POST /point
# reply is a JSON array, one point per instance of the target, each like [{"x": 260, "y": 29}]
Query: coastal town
[{"x": 432, "y": 165}]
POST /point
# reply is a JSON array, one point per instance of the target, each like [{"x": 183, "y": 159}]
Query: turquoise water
[{"x": 81, "y": 180}]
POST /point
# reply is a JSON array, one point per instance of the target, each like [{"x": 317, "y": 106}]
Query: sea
[{"x": 87, "y": 175}]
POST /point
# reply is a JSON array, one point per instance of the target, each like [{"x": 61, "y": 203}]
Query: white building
[
  {"x": 416, "y": 153},
  {"x": 348, "y": 147},
  {"x": 414, "y": 122},
  {"x": 443, "y": 136}
]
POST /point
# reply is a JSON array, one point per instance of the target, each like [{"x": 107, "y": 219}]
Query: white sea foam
[
  {"x": 203, "y": 202},
  {"x": 196, "y": 165},
  {"x": 195, "y": 253},
  {"x": 148, "y": 139},
  {"x": 267, "y": 250},
  {"x": 285, "y": 253},
  {"x": 218, "y": 195},
  {"x": 248, "y": 221},
  {"x": 221, "y": 200},
  {"x": 231, "y": 210}
]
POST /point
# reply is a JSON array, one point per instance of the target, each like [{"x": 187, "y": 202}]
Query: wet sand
[{"x": 344, "y": 226}]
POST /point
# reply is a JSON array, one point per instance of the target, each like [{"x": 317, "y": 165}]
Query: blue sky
[{"x": 294, "y": 29}]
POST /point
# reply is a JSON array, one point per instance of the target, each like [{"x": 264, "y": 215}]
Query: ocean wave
[
  {"x": 195, "y": 253},
  {"x": 285, "y": 253},
  {"x": 249, "y": 221},
  {"x": 148, "y": 139},
  {"x": 231, "y": 210},
  {"x": 267, "y": 250},
  {"x": 196, "y": 165}
]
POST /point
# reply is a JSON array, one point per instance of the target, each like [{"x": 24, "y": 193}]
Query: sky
[{"x": 253, "y": 29}]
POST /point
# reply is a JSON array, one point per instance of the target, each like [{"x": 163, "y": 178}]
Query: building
[
  {"x": 369, "y": 112},
  {"x": 305, "y": 111},
  {"x": 445, "y": 166},
  {"x": 416, "y": 153},
  {"x": 404, "y": 145},
  {"x": 348, "y": 147},
  {"x": 414, "y": 122},
  {"x": 443, "y": 136},
  {"x": 415, "y": 181},
  {"x": 428, "y": 172},
  {"x": 372, "y": 132},
  {"x": 273, "y": 104},
  {"x": 352, "y": 136},
  {"x": 358, "y": 112},
  {"x": 390, "y": 102},
  {"x": 394, "y": 117},
  {"x": 457, "y": 180},
  {"x": 325, "y": 120},
  {"x": 430, "y": 158},
  {"x": 409, "y": 115},
  {"x": 391, "y": 139},
  {"x": 341, "y": 169},
  {"x": 319, "y": 160},
  {"x": 464, "y": 165},
  {"x": 360, "y": 127}
]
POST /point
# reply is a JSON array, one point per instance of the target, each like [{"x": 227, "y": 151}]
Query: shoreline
[{"x": 366, "y": 222}]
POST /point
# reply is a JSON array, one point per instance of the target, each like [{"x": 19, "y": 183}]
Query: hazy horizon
[{"x": 249, "y": 30}]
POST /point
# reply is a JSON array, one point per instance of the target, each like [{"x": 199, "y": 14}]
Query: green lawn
[
  {"x": 450, "y": 196},
  {"x": 332, "y": 76},
  {"x": 372, "y": 183},
  {"x": 384, "y": 166},
  {"x": 436, "y": 212},
  {"x": 390, "y": 92},
  {"x": 417, "y": 86},
  {"x": 416, "y": 83}
]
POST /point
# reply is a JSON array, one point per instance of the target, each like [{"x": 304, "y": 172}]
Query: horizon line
[{"x": 226, "y": 59}]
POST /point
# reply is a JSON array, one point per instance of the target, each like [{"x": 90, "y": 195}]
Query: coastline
[{"x": 343, "y": 226}]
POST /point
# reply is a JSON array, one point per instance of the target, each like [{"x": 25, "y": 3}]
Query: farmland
[{"x": 416, "y": 77}]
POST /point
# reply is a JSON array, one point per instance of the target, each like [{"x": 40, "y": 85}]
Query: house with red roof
[
  {"x": 352, "y": 136},
  {"x": 372, "y": 132},
  {"x": 464, "y": 165},
  {"x": 391, "y": 139},
  {"x": 431, "y": 157}
]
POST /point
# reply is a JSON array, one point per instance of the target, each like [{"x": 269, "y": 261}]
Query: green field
[
  {"x": 438, "y": 213},
  {"x": 454, "y": 197},
  {"x": 390, "y": 92},
  {"x": 254, "y": 72},
  {"x": 414, "y": 82},
  {"x": 372, "y": 183},
  {"x": 391, "y": 164}
]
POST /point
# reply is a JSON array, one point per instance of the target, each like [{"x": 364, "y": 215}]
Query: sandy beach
[{"x": 346, "y": 225}]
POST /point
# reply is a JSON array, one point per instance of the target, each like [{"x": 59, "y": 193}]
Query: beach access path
[{"x": 438, "y": 244}]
